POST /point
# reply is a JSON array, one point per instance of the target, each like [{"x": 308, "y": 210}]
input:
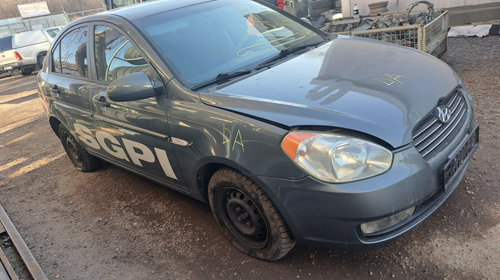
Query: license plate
[
  {"x": 457, "y": 161},
  {"x": 7, "y": 68}
]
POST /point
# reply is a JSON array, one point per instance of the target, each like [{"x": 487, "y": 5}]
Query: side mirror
[{"x": 135, "y": 86}]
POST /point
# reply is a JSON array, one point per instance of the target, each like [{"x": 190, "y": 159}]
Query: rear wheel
[
  {"x": 81, "y": 159},
  {"x": 26, "y": 71},
  {"x": 248, "y": 217}
]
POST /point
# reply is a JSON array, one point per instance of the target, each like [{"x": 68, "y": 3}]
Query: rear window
[
  {"x": 6, "y": 43},
  {"x": 53, "y": 32}
]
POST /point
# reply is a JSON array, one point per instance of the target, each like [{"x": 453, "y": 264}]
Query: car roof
[{"x": 142, "y": 10}]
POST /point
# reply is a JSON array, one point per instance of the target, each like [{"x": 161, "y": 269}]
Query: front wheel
[
  {"x": 248, "y": 217},
  {"x": 81, "y": 159}
]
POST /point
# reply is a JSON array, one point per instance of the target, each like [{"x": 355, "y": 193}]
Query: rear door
[
  {"x": 68, "y": 83},
  {"x": 137, "y": 129},
  {"x": 7, "y": 55}
]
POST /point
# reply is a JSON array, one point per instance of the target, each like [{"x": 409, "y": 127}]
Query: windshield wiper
[
  {"x": 226, "y": 76},
  {"x": 284, "y": 53},
  {"x": 222, "y": 78}
]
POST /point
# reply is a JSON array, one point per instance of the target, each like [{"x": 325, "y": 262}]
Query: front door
[{"x": 133, "y": 133}]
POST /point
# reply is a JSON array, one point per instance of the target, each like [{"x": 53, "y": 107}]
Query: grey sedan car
[{"x": 290, "y": 135}]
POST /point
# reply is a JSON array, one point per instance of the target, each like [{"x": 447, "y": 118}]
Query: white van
[{"x": 24, "y": 51}]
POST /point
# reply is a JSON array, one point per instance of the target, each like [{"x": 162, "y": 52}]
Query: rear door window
[
  {"x": 73, "y": 53},
  {"x": 5, "y": 43},
  {"x": 116, "y": 56}
]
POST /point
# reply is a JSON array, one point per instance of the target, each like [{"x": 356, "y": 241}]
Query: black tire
[
  {"x": 320, "y": 4},
  {"x": 81, "y": 159},
  {"x": 27, "y": 71},
  {"x": 248, "y": 217}
]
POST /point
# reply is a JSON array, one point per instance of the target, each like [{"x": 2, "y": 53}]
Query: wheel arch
[
  {"x": 39, "y": 63},
  {"x": 54, "y": 124},
  {"x": 206, "y": 171},
  {"x": 41, "y": 53},
  {"x": 209, "y": 166}
]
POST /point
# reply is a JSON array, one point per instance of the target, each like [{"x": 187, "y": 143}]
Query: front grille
[{"x": 430, "y": 136}]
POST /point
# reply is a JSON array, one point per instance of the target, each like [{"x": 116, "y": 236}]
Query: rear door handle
[
  {"x": 54, "y": 89},
  {"x": 100, "y": 99}
]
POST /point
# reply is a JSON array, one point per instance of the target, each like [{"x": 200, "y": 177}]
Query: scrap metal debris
[
  {"x": 367, "y": 23},
  {"x": 376, "y": 22},
  {"x": 425, "y": 31}
]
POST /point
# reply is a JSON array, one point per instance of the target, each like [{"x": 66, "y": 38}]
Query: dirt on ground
[{"x": 112, "y": 224}]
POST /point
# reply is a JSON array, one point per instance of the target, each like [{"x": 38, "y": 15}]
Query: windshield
[
  {"x": 5, "y": 43},
  {"x": 201, "y": 41}
]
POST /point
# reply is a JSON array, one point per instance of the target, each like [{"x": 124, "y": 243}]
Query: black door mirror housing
[{"x": 131, "y": 87}]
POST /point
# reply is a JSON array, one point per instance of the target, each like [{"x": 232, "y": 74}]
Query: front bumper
[{"x": 325, "y": 214}]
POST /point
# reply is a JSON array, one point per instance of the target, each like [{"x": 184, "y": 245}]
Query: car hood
[{"x": 358, "y": 84}]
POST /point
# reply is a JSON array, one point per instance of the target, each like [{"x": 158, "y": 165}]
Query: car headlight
[{"x": 336, "y": 158}]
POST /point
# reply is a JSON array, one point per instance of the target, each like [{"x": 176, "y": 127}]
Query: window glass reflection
[
  {"x": 74, "y": 53},
  {"x": 115, "y": 55}
]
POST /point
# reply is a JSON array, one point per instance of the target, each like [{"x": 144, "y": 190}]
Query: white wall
[{"x": 400, "y": 6}]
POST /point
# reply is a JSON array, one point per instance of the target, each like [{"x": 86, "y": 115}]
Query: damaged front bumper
[{"x": 388, "y": 205}]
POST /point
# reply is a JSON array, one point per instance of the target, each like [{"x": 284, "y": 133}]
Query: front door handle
[
  {"x": 100, "y": 100},
  {"x": 54, "y": 89}
]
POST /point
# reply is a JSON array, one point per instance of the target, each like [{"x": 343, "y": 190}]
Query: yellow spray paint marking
[
  {"x": 238, "y": 140},
  {"x": 227, "y": 137},
  {"x": 391, "y": 79}
]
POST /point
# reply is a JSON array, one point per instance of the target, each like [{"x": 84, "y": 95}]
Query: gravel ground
[{"x": 112, "y": 224}]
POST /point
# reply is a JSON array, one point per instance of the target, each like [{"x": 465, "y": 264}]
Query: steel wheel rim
[
  {"x": 243, "y": 216},
  {"x": 73, "y": 152}
]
